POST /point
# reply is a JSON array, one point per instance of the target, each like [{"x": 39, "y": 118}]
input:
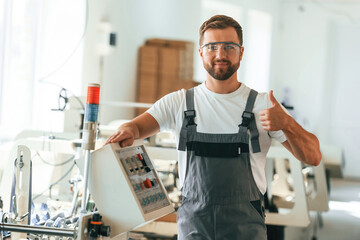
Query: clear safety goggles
[{"x": 229, "y": 48}]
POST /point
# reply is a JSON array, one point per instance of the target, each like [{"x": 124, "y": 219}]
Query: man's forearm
[
  {"x": 144, "y": 126},
  {"x": 304, "y": 145},
  {"x": 141, "y": 127}
]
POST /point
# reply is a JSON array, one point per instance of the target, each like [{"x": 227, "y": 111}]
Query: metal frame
[{"x": 299, "y": 214}]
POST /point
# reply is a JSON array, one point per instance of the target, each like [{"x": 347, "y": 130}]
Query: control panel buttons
[
  {"x": 147, "y": 183},
  {"x": 144, "y": 180}
]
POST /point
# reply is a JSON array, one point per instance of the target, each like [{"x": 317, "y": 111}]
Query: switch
[{"x": 147, "y": 183}]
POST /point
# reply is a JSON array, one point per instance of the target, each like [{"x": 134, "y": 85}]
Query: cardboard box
[
  {"x": 175, "y": 55},
  {"x": 149, "y": 59},
  {"x": 176, "y": 86},
  {"x": 165, "y": 66},
  {"x": 172, "y": 61},
  {"x": 149, "y": 53},
  {"x": 188, "y": 45},
  {"x": 147, "y": 88}
]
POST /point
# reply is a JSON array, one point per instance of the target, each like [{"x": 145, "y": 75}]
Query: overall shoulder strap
[
  {"x": 189, "y": 119},
  {"x": 251, "y": 100},
  {"x": 249, "y": 122},
  {"x": 190, "y": 99}
]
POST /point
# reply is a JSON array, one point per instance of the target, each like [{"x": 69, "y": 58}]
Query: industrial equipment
[
  {"x": 123, "y": 183},
  {"x": 126, "y": 187}
]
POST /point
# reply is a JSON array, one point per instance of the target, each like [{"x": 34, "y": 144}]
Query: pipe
[
  {"x": 85, "y": 181},
  {"x": 38, "y": 230}
]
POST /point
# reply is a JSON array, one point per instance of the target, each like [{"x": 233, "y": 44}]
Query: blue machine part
[{"x": 91, "y": 112}]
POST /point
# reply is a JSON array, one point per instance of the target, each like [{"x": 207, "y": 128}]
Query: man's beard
[{"x": 221, "y": 74}]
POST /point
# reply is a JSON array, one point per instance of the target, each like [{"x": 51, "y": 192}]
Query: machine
[
  {"x": 126, "y": 187},
  {"x": 123, "y": 184}
]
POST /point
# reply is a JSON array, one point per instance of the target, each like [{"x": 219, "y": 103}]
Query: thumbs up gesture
[{"x": 274, "y": 118}]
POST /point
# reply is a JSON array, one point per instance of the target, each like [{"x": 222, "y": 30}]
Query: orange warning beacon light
[{"x": 91, "y": 116}]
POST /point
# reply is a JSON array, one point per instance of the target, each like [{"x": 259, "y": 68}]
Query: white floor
[{"x": 343, "y": 220}]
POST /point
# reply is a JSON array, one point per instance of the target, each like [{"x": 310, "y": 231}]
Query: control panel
[
  {"x": 143, "y": 178},
  {"x": 126, "y": 188}
]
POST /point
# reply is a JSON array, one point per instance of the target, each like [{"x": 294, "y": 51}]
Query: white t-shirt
[{"x": 216, "y": 113}]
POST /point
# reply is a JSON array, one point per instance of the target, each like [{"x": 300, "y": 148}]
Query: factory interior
[{"x": 73, "y": 71}]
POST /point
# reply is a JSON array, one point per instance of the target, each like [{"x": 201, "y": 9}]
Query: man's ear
[{"x": 241, "y": 52}]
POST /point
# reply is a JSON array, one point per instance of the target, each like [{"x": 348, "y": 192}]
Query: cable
[
  {"x": 41, "y": 80},
  {"x": 54, "y": 164},
  {"x": 53, "y": 184}
]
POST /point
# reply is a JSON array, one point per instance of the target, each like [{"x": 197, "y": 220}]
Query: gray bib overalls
[{"x": 220, "y": 197}]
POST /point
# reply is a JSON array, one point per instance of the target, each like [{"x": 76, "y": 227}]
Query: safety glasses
[{"x": 228, "y": 48}]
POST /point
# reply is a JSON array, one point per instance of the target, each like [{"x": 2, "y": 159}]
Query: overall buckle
[
  {"x": 247, "y": 117},
  {"x": 190, "y": 115}
]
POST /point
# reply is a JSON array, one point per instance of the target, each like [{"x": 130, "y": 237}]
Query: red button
[
  {"x": 147, "y": 183},
  {"x": 140, "y": 156}
]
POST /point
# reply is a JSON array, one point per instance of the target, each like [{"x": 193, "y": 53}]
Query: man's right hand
[
  {"x": 141, "y": 127},
  {"x": 124, "y": 135}
]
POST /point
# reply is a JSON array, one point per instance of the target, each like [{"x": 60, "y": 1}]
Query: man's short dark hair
[{"x": 220, "y": 22}]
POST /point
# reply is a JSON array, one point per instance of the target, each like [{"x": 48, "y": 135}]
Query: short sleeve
[{"x": 166, "y": 109}]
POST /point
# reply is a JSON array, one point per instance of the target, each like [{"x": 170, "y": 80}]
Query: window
[
  {"x": 19, "y": 26},
  {"x": 39, "y": 42},
  {"x": 257, "y": 51}
]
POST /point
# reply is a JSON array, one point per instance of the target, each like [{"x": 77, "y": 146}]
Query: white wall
[{"x": 318, "y": 60}]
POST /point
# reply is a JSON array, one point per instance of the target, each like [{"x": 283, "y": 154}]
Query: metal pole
[
  {"x": 89, "y": 133},
  {"x": 85, "y": 180},
  {"x": 38, "y": 230}
]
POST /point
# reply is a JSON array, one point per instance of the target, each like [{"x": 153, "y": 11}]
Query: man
[{"x": 224, "y": 130}]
